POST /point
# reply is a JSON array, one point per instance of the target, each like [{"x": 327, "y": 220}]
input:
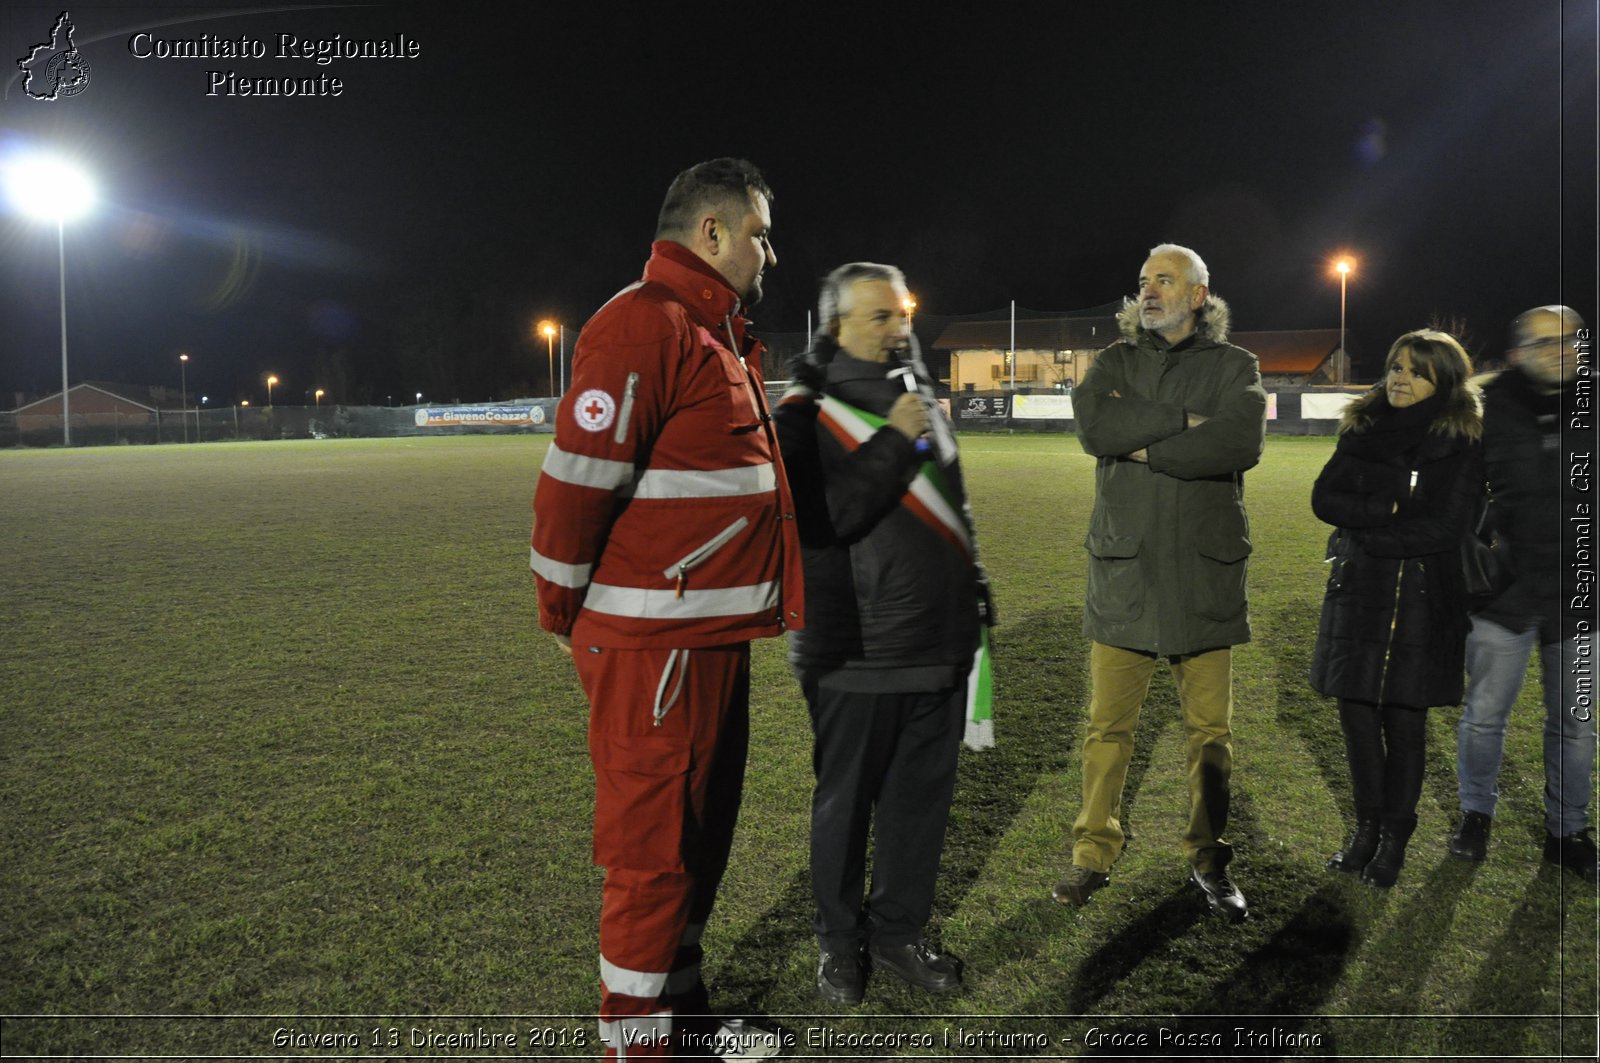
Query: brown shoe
[{"x": 1079, "y": 885}]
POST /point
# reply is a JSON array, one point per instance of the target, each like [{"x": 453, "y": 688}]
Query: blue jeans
[{"x": 1497, "y": 660}]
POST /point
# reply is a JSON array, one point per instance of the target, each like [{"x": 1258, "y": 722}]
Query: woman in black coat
[{"x": 1402, "y": 489}]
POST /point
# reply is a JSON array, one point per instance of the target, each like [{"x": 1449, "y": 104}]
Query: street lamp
[
  {"x": 183, "y": 397},
  {"x": 271, "y": 380},
  {"x": 549, "y": 331},
  {"x": 53, "y": 190},
  {"x": 1343, "y": 267},
  {"x": 319, "y": 395}
]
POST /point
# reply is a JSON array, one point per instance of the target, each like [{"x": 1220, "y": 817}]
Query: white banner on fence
[
  {"x": 449, "y": 416},
  {"x": 1042, "y": 407},
  {"x": 1328, "y": 407}
]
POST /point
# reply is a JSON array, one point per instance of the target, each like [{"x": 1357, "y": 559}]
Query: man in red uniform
[{"x": 663, "y": 541}]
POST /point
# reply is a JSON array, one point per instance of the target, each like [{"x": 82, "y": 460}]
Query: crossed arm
[{"x": 1114, "y": 421}]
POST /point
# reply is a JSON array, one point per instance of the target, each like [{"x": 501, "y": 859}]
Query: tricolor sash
[{"x": 931, "y": 500}]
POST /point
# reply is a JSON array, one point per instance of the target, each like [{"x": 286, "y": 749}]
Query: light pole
[
  {"x": 1344, "y": 266},
  {"x": 319, "y": 395},
  {"x": 53, "y": 190},
  {"x": 271, "y": 380},
  {"x": 183, "y": 397},
  {"x": 549, "y": 331}
]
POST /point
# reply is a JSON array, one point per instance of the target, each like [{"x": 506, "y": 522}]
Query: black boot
[
  {"x": 1384, "y": 867},
  {"x": 1471, "y": 841},
  {"x": 1359, "y": 849}
]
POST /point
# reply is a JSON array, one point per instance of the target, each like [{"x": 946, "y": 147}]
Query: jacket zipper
[
  {"x": 1394, "y": 615},
  {"x": 626, "y": 414},
  {"x": 733, "y": 345},
  {"x": 703, "y": 553}
]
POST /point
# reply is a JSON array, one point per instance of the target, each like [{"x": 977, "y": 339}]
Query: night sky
[{"x": 406, "y": 234}]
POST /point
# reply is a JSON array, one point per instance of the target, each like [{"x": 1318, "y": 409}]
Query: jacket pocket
[
  {"x": 679, "y": 570},
  {"x": 641, "y": 783},
  {"x": 1217, "y": 586},
  {"x": 1116, "y": 587},
  {"x": 744, "y": 413}
]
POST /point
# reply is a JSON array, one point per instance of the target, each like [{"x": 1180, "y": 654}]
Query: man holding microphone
[{"x": 896, "y": 600}]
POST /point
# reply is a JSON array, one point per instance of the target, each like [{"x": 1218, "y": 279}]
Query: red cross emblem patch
[{"x": 594, "y": 410}]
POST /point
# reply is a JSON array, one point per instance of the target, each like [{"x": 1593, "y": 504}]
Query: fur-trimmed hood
[
  {"x": 1212, "y": 324},
  {"x": 1462, "y": 414}
]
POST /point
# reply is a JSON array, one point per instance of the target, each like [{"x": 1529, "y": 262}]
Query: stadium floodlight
[
  {"x": 51, "y": 189},
  {"x": 183, "y": 397},
  {"x": 1343, "y": 268},
  {"x": 547, "y": 329}
]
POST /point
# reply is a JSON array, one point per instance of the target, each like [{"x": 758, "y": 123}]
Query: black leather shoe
[
  {"x": 1575, "y": 852},
  {"x": 841, "y": 977},
  {"x": 1471, "y": 839},
  {"x": 919, "y": 965},
  {"x": 1223, "y": 896}
]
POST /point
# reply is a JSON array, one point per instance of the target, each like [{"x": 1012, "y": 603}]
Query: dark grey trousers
[{"x": 886, "y": 760}]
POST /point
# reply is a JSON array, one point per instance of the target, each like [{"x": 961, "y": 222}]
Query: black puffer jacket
[
  {"x": 1394, "y": 618},
  {"x": 1523, "y": 460},
  {"x": 888, "y": 598}
]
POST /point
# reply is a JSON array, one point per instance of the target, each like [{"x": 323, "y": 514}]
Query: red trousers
[{"x": 668, "y": 734}]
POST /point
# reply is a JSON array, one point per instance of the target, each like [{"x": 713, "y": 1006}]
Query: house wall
[{"x": 984, "y": 369}]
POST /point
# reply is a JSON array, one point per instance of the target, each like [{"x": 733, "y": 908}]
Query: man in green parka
[{"x": 1175, "y": 415}]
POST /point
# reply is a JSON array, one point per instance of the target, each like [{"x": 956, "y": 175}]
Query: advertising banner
[
  {"x": 983, "y": 405},
  {"x": 1325, "y": 407},
  {"x": 1042, "y": 407},
  {"x": 489, "y": 416}
]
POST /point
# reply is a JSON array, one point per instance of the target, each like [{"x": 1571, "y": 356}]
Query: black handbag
[{"x": 1486, "y": 560}]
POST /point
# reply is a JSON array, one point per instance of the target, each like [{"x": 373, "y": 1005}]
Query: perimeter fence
[
  {"x": 1290, "y": 411},
  {"x": 329, "y": 421}
]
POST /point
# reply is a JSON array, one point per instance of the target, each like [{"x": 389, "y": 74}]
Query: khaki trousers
[{"x": 1121, "y": 679}]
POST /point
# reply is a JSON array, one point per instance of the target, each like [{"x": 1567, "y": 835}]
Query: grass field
[{"x": 282, "y": 748}]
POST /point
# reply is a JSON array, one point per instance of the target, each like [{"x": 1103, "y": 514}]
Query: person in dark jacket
[
  {"x": 1175, "y": 414},
  {"x": 1529, "y": 493},
  {"x": 1402, "y": 489},
  {"x": 895, "y": 600}
]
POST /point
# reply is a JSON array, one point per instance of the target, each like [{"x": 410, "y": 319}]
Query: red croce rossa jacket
[{"x": 662, "y": 516}]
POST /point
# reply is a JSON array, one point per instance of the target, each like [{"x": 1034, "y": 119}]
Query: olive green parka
[{"x": 1169, "y": 540}]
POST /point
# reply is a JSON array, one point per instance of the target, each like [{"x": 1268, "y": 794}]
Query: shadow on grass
[
  {"x": 1269, "y": 999},
  {"x": 1522, "y": 966},
  {"x": 756, "y": 963},
  {"x": 1289, "y": 635},
  {"x": 1041, "y": 696},
  {"x": 1399, "y": 964}
]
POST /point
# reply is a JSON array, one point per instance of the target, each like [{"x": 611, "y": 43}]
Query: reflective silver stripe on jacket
[
  {"x": 648, "y": 984},
  {"x": 707, "y": 483},
  {"x": 584, "y": 471},
  {"x": 559, "y": 572},
  {"x": 646, "y": 604},
  {"x": 605, "y": 474}
]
